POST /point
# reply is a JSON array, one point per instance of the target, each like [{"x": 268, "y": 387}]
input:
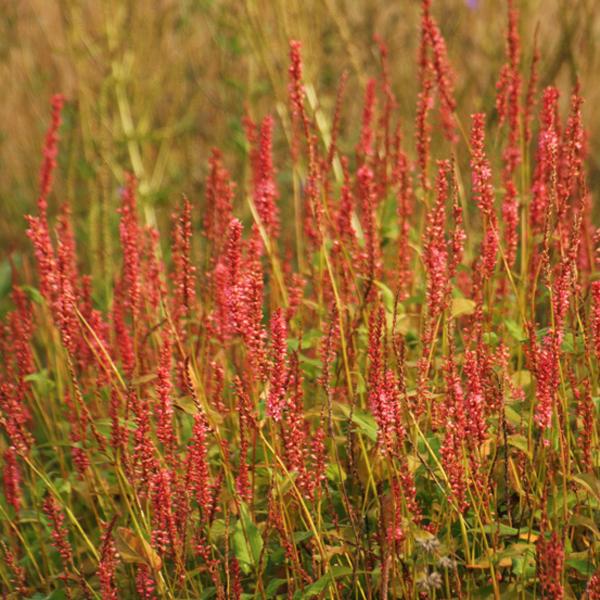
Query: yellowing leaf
[
  {"x": 485, "y": 449},
  {"x": 134, "y": 549},
  {"x": 484, "y": 563},
  {"x": 522, "y": 378},
  {"x": 370, "y": 465},
  {"x": 513, "y": 474},
  {"x": 331, "y": 551},
  {"x": 186, "y": 404},
  {"x": 589, "y": 482},
  {"x": 461, "y": 306},
  {"x": 512, "y": 416},
  {"x": 520, "y": 442},
  {"x": 584, "y": 521}
]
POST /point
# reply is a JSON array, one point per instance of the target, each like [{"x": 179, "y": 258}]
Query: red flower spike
[
  {"x": 12, "y": 479},
  {"x": 107, "y": 566},
  {"x": 58, "y": 530},
  {"x": 277, "y": 381},
  {"x": 130, "y": 242}
]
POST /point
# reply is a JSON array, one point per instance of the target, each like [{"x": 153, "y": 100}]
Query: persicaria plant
[{"x": 369, "y": 371}]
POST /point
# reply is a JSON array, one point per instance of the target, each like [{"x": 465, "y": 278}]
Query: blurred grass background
[{"x": 153, "y": 86}]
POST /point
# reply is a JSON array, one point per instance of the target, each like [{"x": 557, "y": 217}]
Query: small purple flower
[{"x": 472, "y": 4}]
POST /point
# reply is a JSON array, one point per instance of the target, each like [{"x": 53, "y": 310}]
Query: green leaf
[
  {"x": 312, "y": 367},
  {"x": 491, "y": 339},
  {"x": 310, "y": 339},
  {"x": 583, "y": 565},
  {"x": 217, "y": 530},
  {"x": 500, "y": 529},
  {"x": 522, "y": 556},
  {"x": 515, "y": 330},
  {"x": 387, "y": 296},
  {"x": 523, "y": 567},
  {"x": 5, "y": 278},
  {"x": 55, "y": 595},
  {"x": 273, "y": 586},
  {"x": 334, "y": 472},
  {"x": 486, "y": 591},
  {"x": 366, "y": 423},
  {"x": 361, "y": 385},
  {"x": 247, "y": 541},
  {"x": 33, "y": 294},
  {"x": 568, "y": 343},
  {"x": 42, "y": 381},
  {"x": 300, "y": 536},
  {"x": 322, "y": 583}
]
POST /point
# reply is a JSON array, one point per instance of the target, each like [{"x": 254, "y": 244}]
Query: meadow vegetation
[{"x": 329, "y": 328}]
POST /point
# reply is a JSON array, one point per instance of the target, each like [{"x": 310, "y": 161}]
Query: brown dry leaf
[
  {"x": 485, "y": 449},
  {"x": 134, "y": 549},
  {"x": 529, "y": 536},
  {"x": 331, "y": 551}
]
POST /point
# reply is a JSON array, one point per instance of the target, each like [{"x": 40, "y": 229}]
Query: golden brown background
[{"x": 153, "y": 85}]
